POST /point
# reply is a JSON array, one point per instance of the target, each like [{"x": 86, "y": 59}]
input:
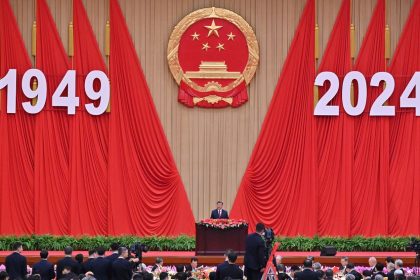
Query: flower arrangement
[{"x": 223, "y": 223}]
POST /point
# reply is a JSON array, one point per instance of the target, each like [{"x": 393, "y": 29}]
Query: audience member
[
  {"x": 114, "y": 255},
  {"x": 192, "y": 267},
  {"x": 329, "y": 274},
  {"x": 367, "y": 274},
  {"x": 389, "y": 260},
  {"x": 277, "y": 260},
  {"x": 67, "y": 261},
  {"x": 350, "y": 270},
  {"x": 307, "y": 273},
  {"x": 121, "y": 267},
  {"x": 101, "y": 266},
  {"x": 216, "y": 275},
  {"x": 231, "y": 271},
  {"x": 343, "y": 264},
  {"x": 372, "y": 263},
  {"x": 79, "y": 259},
  {"x": 399, "y": 265},
  {"x": 164, "y": 276},
  {"x": 4, "y": 275},
  {"x": 157, "y": 268},
  {"x": 68, "y": 274},
  {"x": 281, "y": 272},
  {"x": 378, "y": 277},
  {"x": 16, "y": 263},
  {"x": 293, "y": 270},
  {"x": 88, "y": 264},
  {"x": 44, "y": 268},
  {"x": 350, "y": 276},
  {"x": 255, "y": 259},
  {"x": 391, "y": 269},
  {"x": 379, "y": 270},
  {"x": 180, "y": 274}
]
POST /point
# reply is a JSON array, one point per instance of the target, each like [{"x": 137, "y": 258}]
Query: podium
[{"x": 212, "y": 241}]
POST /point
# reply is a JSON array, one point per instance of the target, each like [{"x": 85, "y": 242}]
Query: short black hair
[
  {"x": 68, "y": 250},
  {"x": 91, "y": 252},
  {"x": 179, "y": 268},
  {"x": 379, "y": 266},
  {"x": 121, "y": 250},
  {"x": 367, "y": 273},
  {"x": 307, "y": 263},
  {"x": 147, "y": 276},
  {"x": 232, "y": 256},
  {"x": 294, "y": 268},
  {"x": 115, "y": 246},
  {"x": 219, "y": 202},
  {"x": 390, "y": 260},
  {"x": 259, "y": 227},
  {"x": 194, "y": 259},
  {"x": 16, "y": 245},
  {"x": 100, "y": 251},
  {"x": 163, "y": 275},
  {"x": 329, "y": 273},
  {"x": 43, "y": 254},
  {"x": 79, "y": 258},
  {"x": 3, "y": 275},
  {"x": 350, "y": 265},
  {"x": 345, "y": 258}
]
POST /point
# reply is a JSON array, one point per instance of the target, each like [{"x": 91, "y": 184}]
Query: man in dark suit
[
  {"x": 350, "y": 270},
  {"x": 114, "y": 255},
  {"x": 307, "y": 273},
  {"x": 121, "y": 267},
  {"x": 192, "y": 267},
  {"x": 16, "y": 263},
  {"x": 87, "y": 265},
  {"x": 67, "y": 261},
  {"x": 343, "y": 264},
  {"x": 254, "y": 259},
  {"x": 219, "y": 267},
  {"x": 219, "y": 213},
  {"x": 44, "y": 268},
  {"x": 101, "y": 267},
  {"x": 231, "y": 271},
  {"x": 281, "y": 272}
]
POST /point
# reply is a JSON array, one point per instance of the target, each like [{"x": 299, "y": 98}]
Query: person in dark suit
[
  {"x": 379, "y": 270},
  {"x": 391, "y": 270},
  {"x": 307, "y": 273},
  {"x": 16, "y": 263},
  {"x": 367, "y": 274},
  {"x": 192, "y": 267},
  {"x": 114, "y": 255},
  {"x": 101, "y": 266},
  {"x": 254, "y": 259},
  {"x": 44, "y": 268},
  {"x": 121, "y": 267},
  {"x": 88, "y": 264},
  {"x": 343, "y": 264},
  {"x": 67, "y": 274},
  {"x": 157, "y": 267},
  {"x": 329, "y": 274},
  {"x": 350, "y": 270},
  {"x": 219, "y": 212},
  {"x": 180, "y": 274},
  {"x": 219, "y": 267},
  {"x": 231, "y": 271},
  {"x": 67, "y": 261},
  {"x": 281, "y": 272}
]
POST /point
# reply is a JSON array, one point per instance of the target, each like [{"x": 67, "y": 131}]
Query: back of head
[
  {"x": 317, "y": 266},
  {"x": 389, "y": 260},
  {"x": 350, "y": 277},
  {"x": 281, "y": 268},
  {"x": 159, "y": 260},
  {"x": 68, "y": 250},
  {"x": 307, "y": 263},
  {"x": 122, "y": 250},
  {"x": 232, "y": 256},
  {"x": 379, "y": 266},
  {"x": 179, "y": 268},
  {"x": 115, "y": 246},
  {"x": 350, "y": 265},
  {"x": 294, "y": 268},
  {"x": 399, "y": 263},
  {"x": 163, "y": 276},
  {"x": 92, "y": 252},
  {"x": 367, "y": 273},
  {"x": 329, "y": 273},
  {"x": 79, "y": 258},
  {"x": 3, "y": 275},
  {"x": 16, "y": 246},
  {"x": 43, "y": 254},
  {"x": 379, "y": 277},
  {"x": 100, "y": 251},
  {"x": 259, "y": 227},
  {"x": 147, "y": 276}
]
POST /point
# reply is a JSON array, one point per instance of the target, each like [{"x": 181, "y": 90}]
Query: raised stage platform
[{"x": 289, "y": 258}]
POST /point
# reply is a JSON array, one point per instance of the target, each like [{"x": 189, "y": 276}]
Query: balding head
[{"x": 372, "y": 261}]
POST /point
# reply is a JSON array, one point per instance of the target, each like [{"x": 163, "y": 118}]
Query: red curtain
[
  {"x": 146, "y": 194},
  {"x": 52, "y": 181},
  {"x": 16, "y": 136},
  {"x": 404, "y": 180},
  {"x": 279, "y": 186},
  {"x": 335, "y": 137},
  {"x": 371, "y": 151},
  {"x": 89, "y": 139}
]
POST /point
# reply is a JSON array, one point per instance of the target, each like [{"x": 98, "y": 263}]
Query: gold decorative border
[{"x": 213, "y": 12}]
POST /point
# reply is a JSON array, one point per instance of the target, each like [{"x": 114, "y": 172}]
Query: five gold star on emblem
[
  {"x": 205, "y": 46},
  {"x": 220, "y": 47},
  {"x": 231, "y": 36},
  {"x": 213, "y": 29},
  {"x": 195, "y": 36}
]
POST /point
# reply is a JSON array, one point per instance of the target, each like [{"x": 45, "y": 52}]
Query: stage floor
[{"x": 289, "y": 258}]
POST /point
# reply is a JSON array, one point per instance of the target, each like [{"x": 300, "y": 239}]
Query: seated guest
[
  {"x": 350, "y": 277},
  {"x": 293, "y": 270},
  {"x": 101, "y": 266},
  {"x": 307, "y": 273},
  {"x": 216, "y": 275},
  {"x": 343, "y": 264},
  {"x": 399, "y": 265},
  {"x": 157, "y": 268},
  {"x": 219, "y": 212},
  {"x": 121, "y": 267},
  {"x": 180, "y": 274},
  {"x": 367, "y": 274},
  {"x": 79, "y": 260},
  {"x": 67, "y": 261},
  {"x": 391, "y": 269},
  {"x": 389, "y": 260},
  {"x": 67, "y": 274},
  {"x": 164, "y": 276},
  {"x": 277, "y": 260},
  {"x": 16, "y": 263},
  {"x": 379, "y": 270},
  {"x": 350, "y": 270},
  {"x": 231, "y": 271},
  {"x": 44, "y": 268},
  {"x": 398, "y": 274},
  {"x": 281, "y": 273},
  {"x": 114, "y": 255},
  {"x": 192, "y": 267},
  {"x": 4, "y": 275},
  {"x": 87, "y": 265},
  {"x": 372, "y": 263},
  {"x": 318, "y": 269},
  {"x": 329, "y": 274}
]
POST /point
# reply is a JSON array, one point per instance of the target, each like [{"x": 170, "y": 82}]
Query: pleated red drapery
[
  {"x": 371, "y": 150},
  {"x": 89, "y": 139},
  {"x": 16, "y": 135},
  {"x": 52, "y": 181},
  {"x": 279, "y": 186},
  {"x": 404, "y": 179},
  {"x": 335, "y": 137},
  {"x": 146, "y": 194}
]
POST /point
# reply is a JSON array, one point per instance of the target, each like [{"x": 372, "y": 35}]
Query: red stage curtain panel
[
  {"x": 369, "y": 204},
  {"x": 89, "y": 139},
  {"x": 16, "y": 135},
  {"x": 335, "y": 137},
  {"x": 146, "y": 194},
  {"x": 52, "y": 182},
  {"x": 404, "y": 179},
  {"x": 279, "y": 187}
]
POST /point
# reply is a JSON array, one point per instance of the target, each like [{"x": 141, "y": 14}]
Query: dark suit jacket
[
  {"x": 307, "y": 274},
  {"x": 121, "y": 269},
  {"x": 70, "y": 276},
  {"x": 283, "y": 276},
  {"x": 67, "y": 261},
  {"x": 231, "y": 270},
  {"x": 219, "y": 268},
  {"x": 215, "y": 214},
  {"x": 112, "y": 257},
  {"x": 16, "y": 266},
  {"x": 254, "y": 252},
  {"x": 87, "y": 265},
  {"x": 390, "y": 274},
  {"x": 101, "y": 268},
  {"x": 356, "y": 274},
  {"x": 45, "y": 269}
]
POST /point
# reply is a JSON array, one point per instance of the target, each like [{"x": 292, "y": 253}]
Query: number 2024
[
  {"x": 379, "y": 108},
  {"x": 71, "y": 101}
]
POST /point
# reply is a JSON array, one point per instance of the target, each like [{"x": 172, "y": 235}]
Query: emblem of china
[{"x": 213, "y": 55}]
